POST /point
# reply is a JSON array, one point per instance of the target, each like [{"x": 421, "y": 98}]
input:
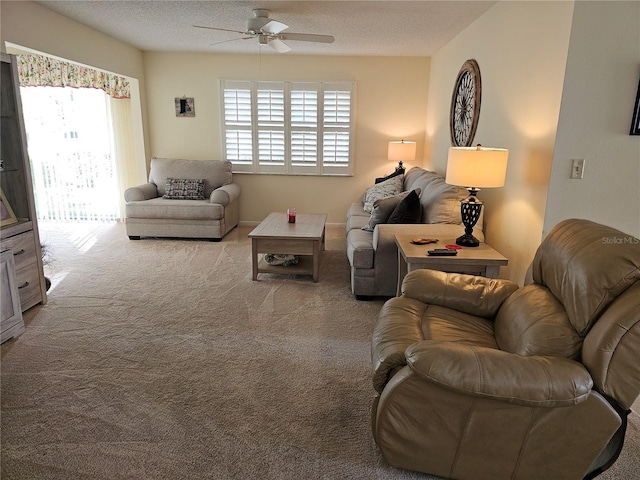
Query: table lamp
[
  {"x": 401, "y": 152},
  {"x": 475, "y": 168}
]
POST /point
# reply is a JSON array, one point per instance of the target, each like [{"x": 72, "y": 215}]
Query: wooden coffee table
[
  {"x": 276, "y": 235},
  {"x": 482, "y": 260}
]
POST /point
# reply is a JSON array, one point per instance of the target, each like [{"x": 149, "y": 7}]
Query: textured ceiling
[{"x": 395, "y": 28}]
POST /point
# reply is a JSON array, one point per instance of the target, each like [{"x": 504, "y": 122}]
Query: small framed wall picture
[
  {"x": 7, "y": 217},
  {"x": 185, "y": 107},
  {"x": 635, "y": 120}
]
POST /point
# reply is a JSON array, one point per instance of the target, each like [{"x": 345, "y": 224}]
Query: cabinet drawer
[
  {"x": 28, "y": 286},
  {"x": 24, "y": 248},
  {"x": 26, "y": 267}
]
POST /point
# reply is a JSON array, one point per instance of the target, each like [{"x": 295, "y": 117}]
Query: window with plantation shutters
[{"x": 303, "y": 128}]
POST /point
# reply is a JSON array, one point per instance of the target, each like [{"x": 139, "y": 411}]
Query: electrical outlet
[{"x": 577, "y": 168}]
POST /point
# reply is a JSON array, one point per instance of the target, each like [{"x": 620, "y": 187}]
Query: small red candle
[{"x": 291, "y": 215}]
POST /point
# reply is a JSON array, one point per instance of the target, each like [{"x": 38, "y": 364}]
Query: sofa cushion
[
  {"x": 441, "y": 201},
  {"x": 388, "y": 188},
  {"x": 408, "y": 210},
  {"x": 576, "y": 250},
  {"x": 357, "y": 217},
  {"x": 533, "y": 322},
  {"x": 184, "y": 189},
  {"x": 413, "y": 175},
  {"x": 175, "y": 209},
  {"x": 214, "y": 172}
]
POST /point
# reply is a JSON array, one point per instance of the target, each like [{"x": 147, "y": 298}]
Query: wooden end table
[
  {"x": 306, "y": 238},
  {"x": 482, "y": 260}
]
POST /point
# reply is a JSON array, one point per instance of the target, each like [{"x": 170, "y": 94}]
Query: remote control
[{"x": 443, "y": 252}]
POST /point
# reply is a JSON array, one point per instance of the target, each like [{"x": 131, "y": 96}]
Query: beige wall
[
  {"x": 391, "y": 103},
  {"x": 521, "y": 48},
  {"x": 601, "y": 82},
  {"x": 27, "y": 24}
]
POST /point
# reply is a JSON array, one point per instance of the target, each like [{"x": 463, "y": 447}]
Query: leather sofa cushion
[
  {"x": 404, "y": 321},
  {"x": 574, "y": 252},
  {"x": 533, "y": 322},
  {"x": 479, "y": 296},
  {"x": 499, "y": 375}
]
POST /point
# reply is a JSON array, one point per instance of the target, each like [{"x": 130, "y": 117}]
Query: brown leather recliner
[{"x": 479, "y": 379}]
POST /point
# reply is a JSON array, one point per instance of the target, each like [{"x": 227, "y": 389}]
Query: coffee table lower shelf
[{"x": 303, "y": 267}]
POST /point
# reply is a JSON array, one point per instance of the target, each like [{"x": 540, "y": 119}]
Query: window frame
[{"x": 253, "y": 91}]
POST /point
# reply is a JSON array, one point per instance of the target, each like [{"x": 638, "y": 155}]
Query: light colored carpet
[{"x": 162, "y": 359}]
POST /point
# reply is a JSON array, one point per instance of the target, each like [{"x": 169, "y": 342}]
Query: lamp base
[
  {"x": 467, "y": 240},
  {"x": 470, "y": 209}
]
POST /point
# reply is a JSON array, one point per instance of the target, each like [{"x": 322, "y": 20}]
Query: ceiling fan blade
[
  {"x": 231, "y": 40},
  {"x": 279, "y": 46},
  {"x": 274, "y": 27},
  {"x": 222, "y": 29},
  {"x": 307, "y": 37}
]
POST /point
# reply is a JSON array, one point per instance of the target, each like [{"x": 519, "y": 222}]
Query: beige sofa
[
  {"x": 150, "y": 214},
  {"x": 373, "y": 255}
]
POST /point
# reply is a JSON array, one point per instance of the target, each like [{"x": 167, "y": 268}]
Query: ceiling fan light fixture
[{"x": 279, "y": 46}]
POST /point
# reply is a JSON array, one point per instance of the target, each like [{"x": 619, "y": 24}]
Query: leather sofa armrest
[
  {"x": 485, "y": 372},
  {"x": 398, "y": 328},
  {"x": 225, "y": 194},
  {"x": 141, "y": 192},
  {"x": 470, "y": 294}
]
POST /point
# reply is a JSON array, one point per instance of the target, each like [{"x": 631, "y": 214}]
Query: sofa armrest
[
  {"x": 141, "y": 192},
  {"x": 225, "y": 194},
  {"x": 485, "y": 372},
  {"x": 470, "y": 294},
  {"x": 398, "y": 328}
]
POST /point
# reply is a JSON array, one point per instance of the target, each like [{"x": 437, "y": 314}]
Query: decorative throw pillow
[
  {"x": 388, "y": 188},
  {"x": 184, "y": 189},
  {"x": 383, "y": 208},
  {"x": 408, "y": 210}
]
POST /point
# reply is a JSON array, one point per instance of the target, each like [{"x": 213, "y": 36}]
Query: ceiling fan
[{"x": 271, "y": 32}]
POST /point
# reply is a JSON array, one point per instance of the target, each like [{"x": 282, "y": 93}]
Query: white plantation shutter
[
  {"x": 271, "y": 145},
  {"x": 336, "y": 152},
  {"x": 289, "y": 127},
  {"x": 304, "y": 127},
  {"x": 238, "y": 136}
]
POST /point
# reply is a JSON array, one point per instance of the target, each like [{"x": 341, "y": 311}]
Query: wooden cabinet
[
  {"x": 11, "y": 324},
  {"x": 19, "y": 235}
]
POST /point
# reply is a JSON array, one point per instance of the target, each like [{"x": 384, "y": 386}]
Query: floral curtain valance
[{"x": 40, "y": 71}]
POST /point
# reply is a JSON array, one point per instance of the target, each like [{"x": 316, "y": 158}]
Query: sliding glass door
[{"x": 71, "y": 148}]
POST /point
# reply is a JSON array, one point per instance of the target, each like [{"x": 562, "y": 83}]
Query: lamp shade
[
  {"x": 477, "y": 167},
  {"x": 402, "y": 151}
]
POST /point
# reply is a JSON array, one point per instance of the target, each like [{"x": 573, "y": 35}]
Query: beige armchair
[
  {"x": 479, "y": 379},
  {"x": 208, "y": 208}
]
